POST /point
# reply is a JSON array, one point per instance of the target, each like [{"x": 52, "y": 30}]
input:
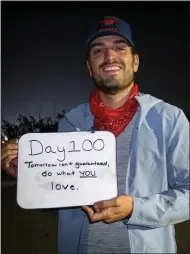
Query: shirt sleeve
[{"x": 171, "y": 206}]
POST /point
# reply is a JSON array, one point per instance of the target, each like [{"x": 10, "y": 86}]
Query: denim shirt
[{"x": 157, "y": 179}]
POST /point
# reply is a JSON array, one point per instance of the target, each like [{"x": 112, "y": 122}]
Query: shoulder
[
  {"x": 74, "y": 118},
  {"x": 80, "y": 110},
  {"x": 167, "y": 110},
  {"x": 159, "y": 108},
  {"x": 162, "y": 117}
]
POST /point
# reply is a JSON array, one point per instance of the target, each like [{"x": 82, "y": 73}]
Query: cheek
[
  {"x": 95, "y": 64},
  {"x": 94, "y": 70},
  {"x": 130, "y": 65}
]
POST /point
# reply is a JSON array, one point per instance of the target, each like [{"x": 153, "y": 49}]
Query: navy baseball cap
[{"x": 109, "y": 25}]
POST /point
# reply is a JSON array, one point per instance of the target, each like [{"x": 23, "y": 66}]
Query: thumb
[{"x": 105, "y": 204}]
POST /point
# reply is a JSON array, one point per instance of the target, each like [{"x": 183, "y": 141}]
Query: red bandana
[{"x": 113, "y": 120}]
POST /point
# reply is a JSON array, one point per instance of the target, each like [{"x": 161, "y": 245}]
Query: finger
[
  {"x": 93, "y": 216},
  {"x": 5, "y": 147},
  {"x": 88, "y": 210},
  {"x": 97, "y": 210},
  {"x": 7, "y": 160},
  {"x": 105, "y": 204},
  {"x": 8, "y": 153},
  {"x": 103, "y": 215},
  {"x": 13, "y": 141}
]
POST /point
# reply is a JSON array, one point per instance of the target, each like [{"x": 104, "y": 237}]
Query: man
[{"x": 152, "y": 140}]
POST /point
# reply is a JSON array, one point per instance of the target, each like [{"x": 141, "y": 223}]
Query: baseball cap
[{"x": 109, "y": 25}]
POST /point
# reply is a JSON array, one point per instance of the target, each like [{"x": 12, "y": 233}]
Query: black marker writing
[
  {"x": 95, "y": 163},
  {"x": 98, "y": 145},
  {"x": 39, "y": 149},
  {"x": 45, "y": 173},
  {"x": 48, "y": 149},
  {"x": 57, "y": 186},
  {"x": 32, "y": 165},
  {"x": 88, "y": 174},
  {"x": 87, "y": 145},
  {"x": 73, "y": 150},
  {"x": 65, "y": 173},
  {"x": 65, "y": 164}
]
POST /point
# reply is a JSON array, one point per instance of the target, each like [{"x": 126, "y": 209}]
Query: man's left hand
[{"x": 112, "y": 210}]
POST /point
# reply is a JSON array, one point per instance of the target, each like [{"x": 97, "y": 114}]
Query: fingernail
[{"x": 95, "y": 205}]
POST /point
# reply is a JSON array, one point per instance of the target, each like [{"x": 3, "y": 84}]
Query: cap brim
[{"x": 106, "y": 33}]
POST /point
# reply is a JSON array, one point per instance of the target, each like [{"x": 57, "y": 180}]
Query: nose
[{"x": 109, "y": 54}]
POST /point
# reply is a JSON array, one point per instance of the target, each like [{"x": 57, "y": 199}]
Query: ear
[
  {"x": 89, "y": 69},
  {"x": 136, "y": 63}
]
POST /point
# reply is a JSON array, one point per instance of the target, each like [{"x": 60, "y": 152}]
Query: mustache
[{"x": 111, "y": 62}]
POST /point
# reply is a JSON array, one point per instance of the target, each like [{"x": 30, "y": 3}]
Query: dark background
[
  {"x": 43, "y": 52},
  {"x": 43, "y": 71}
]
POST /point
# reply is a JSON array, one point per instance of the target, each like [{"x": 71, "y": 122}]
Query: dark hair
[{"x": 133, "y": 50}]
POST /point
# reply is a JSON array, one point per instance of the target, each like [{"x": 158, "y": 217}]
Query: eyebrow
[
  {"x": 96, "y": 44},
  {"x": 114, "y": 42},
  {"x": 120, "y": 41}
]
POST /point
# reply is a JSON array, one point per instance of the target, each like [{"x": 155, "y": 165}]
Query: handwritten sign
[{"x": 66, "y": 169}]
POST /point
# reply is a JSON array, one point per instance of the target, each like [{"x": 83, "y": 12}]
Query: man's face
[{"x": 111, "y": 64}]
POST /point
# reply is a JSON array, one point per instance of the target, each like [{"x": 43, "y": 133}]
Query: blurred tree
[{"x": 29, "y": 124}]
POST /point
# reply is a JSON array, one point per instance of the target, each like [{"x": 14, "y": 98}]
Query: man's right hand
[{"x": 9, "y": 154}]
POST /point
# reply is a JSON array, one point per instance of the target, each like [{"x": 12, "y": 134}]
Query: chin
[
  {"x": 110, "y": 89},
  {"x": 109, "y": 86}
]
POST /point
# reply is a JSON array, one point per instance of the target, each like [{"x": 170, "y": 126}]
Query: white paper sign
[{"x": 66, "y": 169}]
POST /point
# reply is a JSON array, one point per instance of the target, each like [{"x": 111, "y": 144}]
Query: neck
[{"x": 117, "y": 100}]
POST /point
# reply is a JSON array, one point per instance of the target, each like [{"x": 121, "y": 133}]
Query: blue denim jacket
[{"x": 157, "y": 178}]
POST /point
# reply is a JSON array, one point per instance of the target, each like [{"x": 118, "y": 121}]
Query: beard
[{"x": 113, "y": 85}]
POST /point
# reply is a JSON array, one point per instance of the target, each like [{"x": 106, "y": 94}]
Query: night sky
[{"x": 43, "y": 53}]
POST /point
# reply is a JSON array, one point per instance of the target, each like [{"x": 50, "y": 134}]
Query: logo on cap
[{"x": 107, "y": 25}]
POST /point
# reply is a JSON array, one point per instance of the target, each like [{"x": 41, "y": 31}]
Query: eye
[
  {"x": 120, "y": 48},
  {"x": 97, "y": 51}
]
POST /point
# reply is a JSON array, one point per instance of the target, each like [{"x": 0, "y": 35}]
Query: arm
[
  {"x": 172, "y": 206},
  {"x": 168, "y": 207}
]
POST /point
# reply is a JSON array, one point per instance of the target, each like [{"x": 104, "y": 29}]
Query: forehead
[{"x": 108, "y": 39}]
